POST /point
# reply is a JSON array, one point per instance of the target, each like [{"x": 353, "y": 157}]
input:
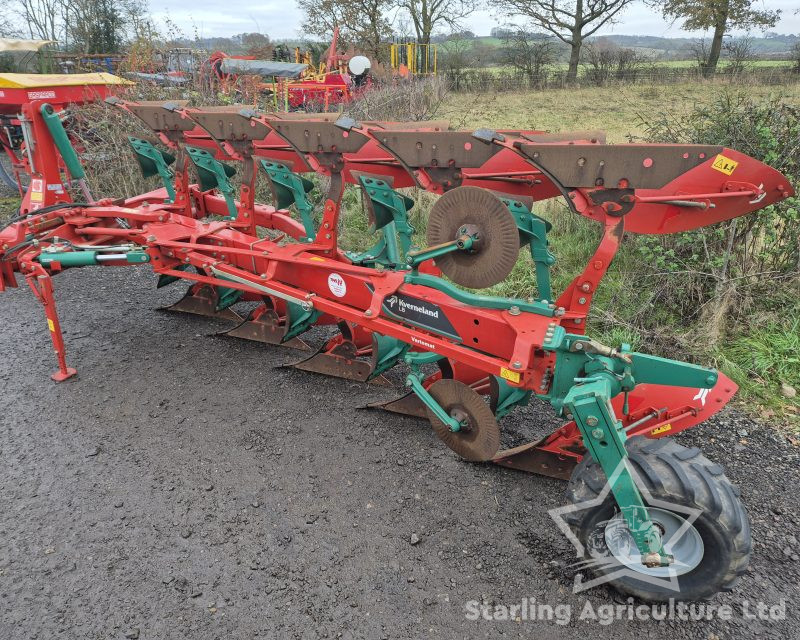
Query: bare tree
[
  {"x": 428, "y": 15},
  {"x": 605, "y": 61},
  {"x": 738, "y": 52},
  {"x": 362, "y": 23},
  {"x": 456, "y": 56},
  {"x": 571, "y": 21},
  {"x": 796, "y": 57},
  {"x": 530, "y": 56},
  {"x": 42, "y": 18},
  {"x": 719, "y": 15}
]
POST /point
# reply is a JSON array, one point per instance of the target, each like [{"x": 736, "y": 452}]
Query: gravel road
[{"x": 184, "y": 487}]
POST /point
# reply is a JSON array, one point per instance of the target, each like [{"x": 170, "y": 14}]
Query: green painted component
[
  {"x": 289, "y": 189},
  {"x": 418, "y": 257},
  {"x": 477, "y": 300},
  {"x": 388, "y": 351},
  {"x": 533, "y": 230},
  {"x": 509, "y": 397},
  {"x": 61, "y": 140},
  {"x": 299, "y": 319},
  {"x": 86, "y": 258},
  {"x": 153, "y": 162},
  {"x": 164, "y": 280},
  {"x": 68, "y": 258},
  {"x": 655, "y": 370},
  {"x": 604, "y": 437},
  {"x": 226, "y": 297},
  {"x": 413, "y": 380},
  {"x": 214, "y": 174},
  {"x": 389, "y": 211},
  {"x": 137, "y": 257},
  {"x": 415, "y": 359}
]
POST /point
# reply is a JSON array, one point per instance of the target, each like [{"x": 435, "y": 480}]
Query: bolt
[
  {"x": 578, "y": 346},
  {"x": 368, "y": 313},
  {"x": 151, "y": 238},
  {"x": 578, "y": 321},
  {"x": 586, "y": 287},
  {"x": 517, "y": 364},
  {"x": 591, "y": 421},
  {"x": 514, "y": 311},
  {"x": 582, "y": 300},
  {"x": 263, "y": 276},
  {"x": 597, "y": 434}
]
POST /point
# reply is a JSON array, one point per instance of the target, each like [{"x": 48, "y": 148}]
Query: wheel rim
[{"x": 686, "y": 547}]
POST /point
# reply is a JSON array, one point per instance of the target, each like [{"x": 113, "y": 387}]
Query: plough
[{"x": 471, "y": 358}]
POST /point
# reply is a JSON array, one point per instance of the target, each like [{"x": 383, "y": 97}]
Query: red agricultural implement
[
  {"x": 670, "y": 523},
  {"x": 33, "y": 164}
]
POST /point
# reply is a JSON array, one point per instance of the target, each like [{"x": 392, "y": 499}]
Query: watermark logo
[{"x": 610, "y": 552}]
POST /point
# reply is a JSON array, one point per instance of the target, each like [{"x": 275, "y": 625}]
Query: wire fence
[{"x": 484, "y": 80}]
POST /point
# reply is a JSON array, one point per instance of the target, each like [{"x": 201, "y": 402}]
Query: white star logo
[{"x": 612, "y": 567}]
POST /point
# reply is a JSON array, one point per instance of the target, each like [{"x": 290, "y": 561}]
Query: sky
[{"x": 281, "y": 19}]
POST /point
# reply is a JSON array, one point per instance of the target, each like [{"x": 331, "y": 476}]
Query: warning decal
[{"x": 724, "y": 165}]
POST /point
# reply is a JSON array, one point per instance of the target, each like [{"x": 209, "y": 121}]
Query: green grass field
[{"x": 618, "y": 110}]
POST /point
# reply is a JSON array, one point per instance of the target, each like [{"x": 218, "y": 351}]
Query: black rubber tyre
[{"x": 679, "y": 476}]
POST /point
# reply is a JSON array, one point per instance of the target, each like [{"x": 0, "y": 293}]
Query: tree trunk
[
  {"x": 574, "y": 57},
  {"x": 710, "y": 66}
]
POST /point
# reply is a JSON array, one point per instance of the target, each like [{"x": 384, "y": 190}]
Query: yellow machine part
[
  {"x": 412, "y": 58},
  {"x": 38, "y": 80}
]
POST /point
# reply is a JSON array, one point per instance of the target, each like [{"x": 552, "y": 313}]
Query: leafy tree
[
  {"x": 719, "y": 15},
  {"x": 571, "y": 21}
]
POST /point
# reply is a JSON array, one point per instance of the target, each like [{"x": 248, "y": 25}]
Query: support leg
[{"x": 42, "y": 287}]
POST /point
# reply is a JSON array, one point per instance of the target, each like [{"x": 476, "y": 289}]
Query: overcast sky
[{"x": 281, "y": 18}]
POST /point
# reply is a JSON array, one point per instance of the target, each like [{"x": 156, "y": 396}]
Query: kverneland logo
[{"x": 402, "y": 306}]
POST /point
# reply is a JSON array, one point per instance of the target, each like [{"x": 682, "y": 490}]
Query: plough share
[{"x": 401, "y": 303}]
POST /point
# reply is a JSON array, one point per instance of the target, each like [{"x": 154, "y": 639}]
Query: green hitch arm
[
  {"x": 64, "y": 146},
  {"x": 604, "y": 437}
]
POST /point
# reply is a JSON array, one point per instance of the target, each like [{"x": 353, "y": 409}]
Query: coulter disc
[
  {"x": 496, "y": 248},
  {"x": 479, "y": 439}
]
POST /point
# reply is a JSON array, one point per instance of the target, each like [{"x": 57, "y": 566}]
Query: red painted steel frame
[{"x": 492, "y": 341}]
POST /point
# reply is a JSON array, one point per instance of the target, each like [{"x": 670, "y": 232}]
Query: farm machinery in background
[
  {"x": 670, "y": 523},
  {"x": 292, "y": 86},
  {"x": 31, "y": 167}
]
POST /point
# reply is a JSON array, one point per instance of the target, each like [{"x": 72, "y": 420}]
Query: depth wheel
[
  {"x": 707, "y": 529},
  {"x": 483, "y": 215},
  {"x": 479, "y": 438}
]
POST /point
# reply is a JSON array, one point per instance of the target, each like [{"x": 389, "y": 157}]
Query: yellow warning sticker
[
  {"x": 317, "y": 259},
  {"x": 724, "y": 165},
  {"x": 50, "y": 325},
  {"x": 662, "y": 429},
  {"x": 508, "y": 374}
]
